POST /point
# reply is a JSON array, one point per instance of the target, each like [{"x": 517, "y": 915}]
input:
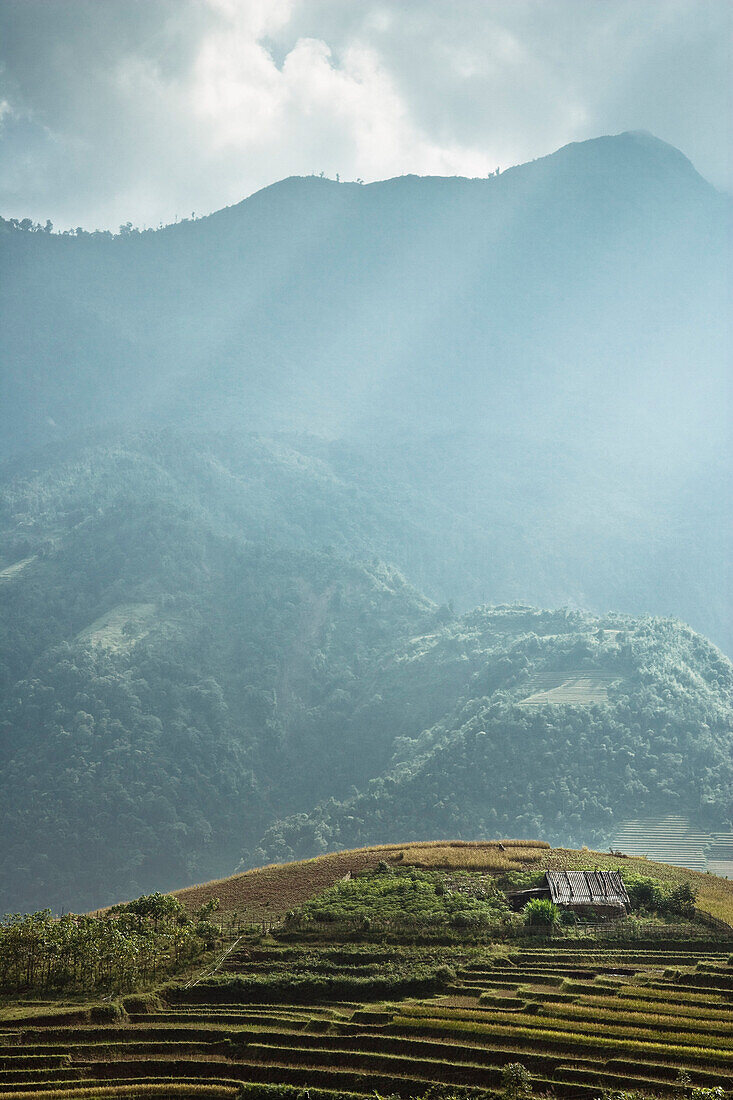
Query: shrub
[
  {"x": 541, "y": 912},
  {"x": 207, "y": 931},
  {"x": 516, "y": 1082},
  {"x": 681, "y": 899},
  {"x": 105, "y": 1013},
  {"x": 410, "y": 898},
  {"x": 655, "y": 896},
  {"x": 142, "y": 1002}
]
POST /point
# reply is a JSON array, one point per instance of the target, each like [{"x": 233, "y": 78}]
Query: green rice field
[{"x": 581, "y": 1016}]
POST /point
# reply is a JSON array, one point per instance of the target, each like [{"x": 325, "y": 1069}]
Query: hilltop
[{"x": 269, "y": 892}]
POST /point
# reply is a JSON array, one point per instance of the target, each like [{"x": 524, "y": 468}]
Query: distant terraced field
[
  {"x": 121, "y": 627},
  {"x": 580, "y": 688},
  {"x": 672, "y": 839},
  {"x": 17, "y": 567}
]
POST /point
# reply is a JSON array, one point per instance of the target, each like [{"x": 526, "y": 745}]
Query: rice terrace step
[
  {"x": 400, "y": 1009},
  {"x": 593, "y": 1040}
]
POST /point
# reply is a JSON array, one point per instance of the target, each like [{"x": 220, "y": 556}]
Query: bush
[
  {"x": 445, "y": 975},
  {"x": 515, "y": 1079},
  {"x": 410, "y": 898},
  {"x": 208, "y": 932},
  {"x": 541, "y": 913},
  {"x": 142, "y": 1002},
  {"x": 105, "y": 1013},
  {"x": 655, "y": 896}
]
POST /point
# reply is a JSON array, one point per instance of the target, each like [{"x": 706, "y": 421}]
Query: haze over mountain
[
  {"x": 257, "y": 467},
  {"x": 537, "y": 353}
]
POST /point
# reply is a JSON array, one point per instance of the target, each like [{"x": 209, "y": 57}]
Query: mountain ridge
[{"x": 639, "y": 146}]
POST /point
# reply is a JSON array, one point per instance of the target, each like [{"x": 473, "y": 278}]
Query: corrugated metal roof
[{"x": 587, "y": 888}]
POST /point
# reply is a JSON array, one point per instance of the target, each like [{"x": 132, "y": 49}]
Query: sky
[{"x": 147, "y": 111}]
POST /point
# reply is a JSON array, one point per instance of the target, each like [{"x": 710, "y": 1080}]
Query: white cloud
[{"x": 117, "y": 111}]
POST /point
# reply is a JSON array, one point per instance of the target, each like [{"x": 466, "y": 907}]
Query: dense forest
[{"x": 205, "y": 660}]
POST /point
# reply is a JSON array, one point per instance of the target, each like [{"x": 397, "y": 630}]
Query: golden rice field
[{"x": 580, "y": 1017}]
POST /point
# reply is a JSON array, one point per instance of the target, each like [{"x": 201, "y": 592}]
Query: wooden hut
[
  {"x": 602, "y": 891},
  {"x": 599, "y": 892}
]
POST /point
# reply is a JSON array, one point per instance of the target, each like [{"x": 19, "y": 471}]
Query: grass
[{"x": 281, "y": 887}]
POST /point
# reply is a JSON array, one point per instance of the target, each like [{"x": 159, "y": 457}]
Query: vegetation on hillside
[
  {"x": 184, "y": 666},
  {"x": 132, "y": 944},
  {"x": 274, "y": 890},
  {"x": 403, "y": 895},
  {"x": 583, "y": 767},
  {"x": 267, "y": 681}
]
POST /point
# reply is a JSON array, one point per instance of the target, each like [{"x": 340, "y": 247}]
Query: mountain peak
[{"x": 635, "y": 152}]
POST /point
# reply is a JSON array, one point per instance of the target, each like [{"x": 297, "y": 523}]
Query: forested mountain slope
[
  {"x": 535, "y": 363},
  {"x": 556, "y": 734},
  {"x": 201, "y": 639}
]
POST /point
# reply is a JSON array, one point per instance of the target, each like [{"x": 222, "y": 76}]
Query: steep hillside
[
  {"x": 185, "y": 665},
  {"x": 535, "y": 362},
  {"x": 504, "y": 761}
]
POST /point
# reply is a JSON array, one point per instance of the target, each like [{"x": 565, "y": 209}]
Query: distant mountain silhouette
[
  {"x": 539, "y": 358},
  {"x": 410, "y": 304}
]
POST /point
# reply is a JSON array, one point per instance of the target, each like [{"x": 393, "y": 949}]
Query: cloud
[{"x": 142, "y": 110}]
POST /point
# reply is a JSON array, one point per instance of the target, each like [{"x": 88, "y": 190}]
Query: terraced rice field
[
  {"x": 16, "y": 568},
  {"x": 580, "y": 688},
  {"x": 120, "y": 628},
  {"x": 672, "y": 839},
  {"x": 578, "y": 1017}
]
